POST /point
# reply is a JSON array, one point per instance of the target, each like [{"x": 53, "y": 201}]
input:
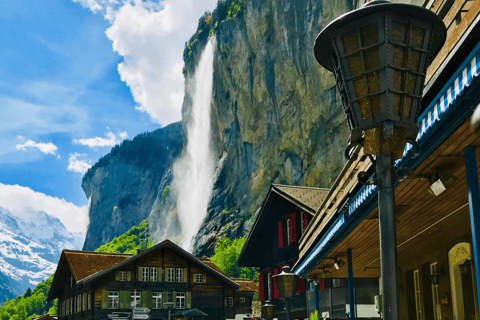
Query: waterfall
[{"x": 193, "y": 171}]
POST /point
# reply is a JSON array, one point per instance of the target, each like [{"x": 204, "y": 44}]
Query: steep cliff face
[
  {"x": 275, "y": 114},
  {"x": 123, "y": 185}
]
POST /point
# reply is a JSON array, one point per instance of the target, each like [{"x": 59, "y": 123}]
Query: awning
[{"x": 190, "y": 313}]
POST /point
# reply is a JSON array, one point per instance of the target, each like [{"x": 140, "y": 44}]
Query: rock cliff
[
  {"x": 275, "y": 113},
  {"x": 123, "y": 185}
]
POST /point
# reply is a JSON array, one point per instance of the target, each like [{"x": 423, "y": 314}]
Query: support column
[
  {"x": 388, "y": 237},
  {"x": 351, "y": 291},
  {"x": 474, "y": 202}
]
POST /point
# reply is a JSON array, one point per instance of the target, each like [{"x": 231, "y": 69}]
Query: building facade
[
  {"x": 436, "y": 207},
  {"x": 164, "y": 278}
]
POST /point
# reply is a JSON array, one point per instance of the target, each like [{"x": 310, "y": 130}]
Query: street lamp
[
  {"x": 379, "y": 55},
  {"x": 268, "y": 310},
  {"x": 169, "y": 306},
  {"x": 287, "y": 285}
]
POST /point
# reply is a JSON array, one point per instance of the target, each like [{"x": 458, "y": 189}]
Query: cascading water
[{"x": 193, "y": 171}]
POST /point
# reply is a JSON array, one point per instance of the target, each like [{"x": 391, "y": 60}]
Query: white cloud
[
  {"x": 80, "y": 166},
  {"x": 150, "y": 36},
  {"x": 18, "y": 198},
  {"x": 123, "y": 135},
  {"x": 47, "y": 148},
  {"x": 99, "y": 142}
]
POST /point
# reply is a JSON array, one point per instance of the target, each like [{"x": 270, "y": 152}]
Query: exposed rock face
[
  {"x": 275, "y": 114},
  {"x": 124, "y": 184}
]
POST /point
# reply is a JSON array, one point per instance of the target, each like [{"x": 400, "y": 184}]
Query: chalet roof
[
  {"x": 246, "y": 284},
  {"x": 210, "y": 263},
  {"x": 178, "y": 250},
  {"x": 308, "y": 198},
  {"x": 85, "y": 263}
]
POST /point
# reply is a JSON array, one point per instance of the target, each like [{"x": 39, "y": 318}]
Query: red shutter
[
  {"x": 280, "y": 234},
  {"x": 300, "y": 285},
  {"x": 275, "y": 289},
  {"x": 293, "y": 227},
  {"x": 261, "y": 287},
  {"x": 305, "y": 221},
  {"x": 321, "y": 284}
]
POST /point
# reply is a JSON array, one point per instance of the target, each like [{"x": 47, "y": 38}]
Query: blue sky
[{"x": 76, "y": 78}]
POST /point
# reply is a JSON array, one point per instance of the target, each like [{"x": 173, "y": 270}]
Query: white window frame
[
  {"x": 135, "y": 297},
  {"x": 180, "y": 300},
  {"x": 230, "y": 302},
  {"x": 242, "y": 300},
  {"x": 179, "y": 275},
  {"x": 145, "y": 274},
  {"x": 112, "y": 300},
  {"x": 418, "y": 298},
  {"x": 157, "y": 300},
  {"x": 122, "y": 276},
  {"x": 288, "y": 231},
  {"x": 171, "y": 275},
  {"x": 199, "y": 278},
  {"x": 153, "y": 274},
  {"x": 437, "y": 308}
]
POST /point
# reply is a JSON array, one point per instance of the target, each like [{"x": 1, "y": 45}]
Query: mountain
[
  {"x": 31, "y": 243},
  {"x": 123, "y": 185},
  {"x": 276, "y": 117}
]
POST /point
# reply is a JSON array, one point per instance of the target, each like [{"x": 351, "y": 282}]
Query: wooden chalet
[
  {"x": 437, "y": 222},
  {"x": 92, "y": 285},
  {"x": 273, "y": 241}
]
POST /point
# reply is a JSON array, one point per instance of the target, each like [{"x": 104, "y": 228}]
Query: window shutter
[
  {"x": 305, "y": 221},
  {"x": 189, "y": 300},
  {"x": 204, "y": 278},
  {"x": 194, "y": 278},
  {"x": 321, "y": 284},
  {"x": 301, "y": 285},
  {"x": 139, "y": 276},
  {"x": 280, "y": 234},
  {"x": 275, "y": 288},
  {"x": 261, "y": 289},
  {"x": 124, "y": 299},
  {"x": 174, "y": 299},
  {"x": 166, "y": 275},
  {"x": 117, "y": 275},
  {"x": 143, "y": 302},
  {"x": 149, "y": 300},
  {"x": 129, "y": 276},
  {"x": 293, "y": 227},
  {"x": 164, "y": 298},
  {"x": 160, "y": 275},
  {"x": 104, "y": 299},
  {"x": 185, "y": 279}
]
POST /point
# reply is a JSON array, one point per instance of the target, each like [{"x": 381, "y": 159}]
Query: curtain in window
[
  {"x": 275, "y": 288},
  {"x": 280, "y": 234},
  {"x": 293, "y": 227},
  {"x": 261, "y": 287}
]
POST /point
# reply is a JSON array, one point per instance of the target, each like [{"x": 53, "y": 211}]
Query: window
[
  {"x": 171, "y": 275},
  {"x": 418, "y": 301},
  {"x": 153, "y": 274},
  {"x": 242, "y": 300},
  {"x": 288, "y": 231},
  {"x": 437, "y": 311},
  {"x": 269, "y": 281},
  {"x": 179, "y": 275},
  {"x": 180, "y": 303},
  {"x": 145, "y": 274},
  {"x": 156, "y": 300},
  {"x": 135, "y": 299},
  {"x": 122, "y": 276},
  {"x": 199, "y": 278},
  {"x": 230, "y": 301},
  {"x": 112, "y": 300}
]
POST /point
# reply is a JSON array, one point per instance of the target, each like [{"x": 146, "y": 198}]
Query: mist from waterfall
[{"x": 193, "y": 172}]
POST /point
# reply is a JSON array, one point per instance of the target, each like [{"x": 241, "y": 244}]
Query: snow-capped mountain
[{"x": 31, "y": 243}]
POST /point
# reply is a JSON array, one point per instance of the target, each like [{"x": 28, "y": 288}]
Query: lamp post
[
  {"x": 379, "y": 55},
  {"x": 268, "y": 310},
  {"x": 287, "y": 285},
  {"x": 169, "y": 306}
]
